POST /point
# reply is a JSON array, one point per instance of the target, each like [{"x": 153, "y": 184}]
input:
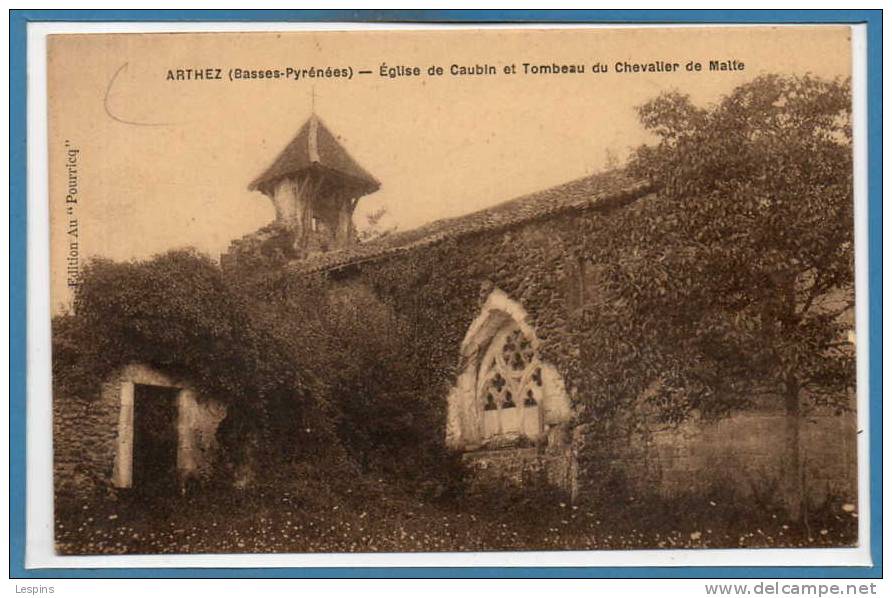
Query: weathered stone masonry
[
  {"x": 495, "y": 311},
  {"x": 93, "y": 439},
  {"x": 443, "y": 278}
]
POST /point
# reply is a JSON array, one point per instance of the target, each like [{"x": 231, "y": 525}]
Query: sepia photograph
[{"x": 453, "y": 291}]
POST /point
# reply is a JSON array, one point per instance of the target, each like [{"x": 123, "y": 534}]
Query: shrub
[
  {"x": 385, "y": 412},
  {"x": 176, "y": 313}
]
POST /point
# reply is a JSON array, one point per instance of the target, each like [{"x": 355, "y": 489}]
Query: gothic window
[{"x": 510, "y": 386}]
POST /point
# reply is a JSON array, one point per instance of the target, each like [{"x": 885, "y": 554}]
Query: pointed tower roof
[{"x": 316, "y": 148}]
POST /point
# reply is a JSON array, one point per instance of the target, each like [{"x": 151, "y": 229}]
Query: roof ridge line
[{"x": 606, "y": 200}]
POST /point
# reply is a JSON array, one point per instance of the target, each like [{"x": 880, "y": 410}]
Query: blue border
[{"x": 19, "y": 20}]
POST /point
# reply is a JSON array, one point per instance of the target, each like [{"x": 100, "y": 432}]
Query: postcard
[{"x": 481, "y": 290}]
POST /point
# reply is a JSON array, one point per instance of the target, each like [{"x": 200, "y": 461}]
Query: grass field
[{"x": 257, "y": 523}]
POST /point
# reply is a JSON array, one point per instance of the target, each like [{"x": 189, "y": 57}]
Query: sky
[{"x": 165, "y": 164}]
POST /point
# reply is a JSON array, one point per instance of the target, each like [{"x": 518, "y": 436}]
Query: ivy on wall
[{"x": 176, "y": 313}]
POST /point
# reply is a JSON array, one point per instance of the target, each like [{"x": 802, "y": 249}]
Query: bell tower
[{"x": 315, "y": 185}]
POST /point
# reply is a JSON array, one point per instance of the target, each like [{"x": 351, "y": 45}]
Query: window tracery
[{"x": 510, "y": 386}]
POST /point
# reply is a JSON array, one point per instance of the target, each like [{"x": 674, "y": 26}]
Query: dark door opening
[{"x": 154, "y": 440}]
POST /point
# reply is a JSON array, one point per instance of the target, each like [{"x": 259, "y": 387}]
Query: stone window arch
[{"x": 504, "y": 393}]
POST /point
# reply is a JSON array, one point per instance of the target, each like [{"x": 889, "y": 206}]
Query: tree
[
  {"x": 177, "y": 312},
  {"x": 741, "y": 268},
  {"x": 373, "y": 228}
]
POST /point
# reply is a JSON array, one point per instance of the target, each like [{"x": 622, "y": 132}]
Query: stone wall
[
  {"x": 740, "y": 455},
  {"x": 745, "y": 451},
  {"x": 92, "y": 438},
  {"x": 551, "y": 462},
  {"x": 197, "y": 426},
  {"x": 549, "y": 266},
  {"x": 520, "y": 468},
  {"x": 84, "y": 435}
]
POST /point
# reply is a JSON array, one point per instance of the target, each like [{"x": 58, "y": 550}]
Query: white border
[{"x": 39, "y": 543}]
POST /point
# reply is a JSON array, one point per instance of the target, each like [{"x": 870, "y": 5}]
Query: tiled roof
[
  {"x": 597, "y": 191},
  {"x": 316, "y": 148}
]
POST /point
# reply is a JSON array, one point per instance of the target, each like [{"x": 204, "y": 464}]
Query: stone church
[{"x": 498, "y": 296}]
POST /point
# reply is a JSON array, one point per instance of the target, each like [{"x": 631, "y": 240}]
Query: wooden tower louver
[{"x": 315, "y": 185}]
